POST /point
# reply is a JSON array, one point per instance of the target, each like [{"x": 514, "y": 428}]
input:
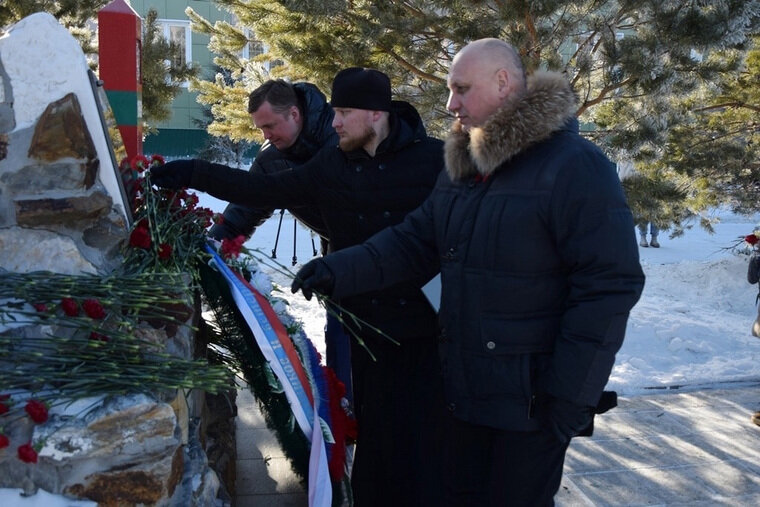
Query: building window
[
  {"x": 177, "y": 31},
  {"x": 253, "y": 49}
]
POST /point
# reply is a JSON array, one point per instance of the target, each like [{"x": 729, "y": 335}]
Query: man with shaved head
[{"x": 530, "y": 231}]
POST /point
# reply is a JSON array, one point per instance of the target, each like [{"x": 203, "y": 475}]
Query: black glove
[
  {"x": 314, "y": 276},
  {"x": 174, "y": 175},
  {"x": 567, "y": 419}
]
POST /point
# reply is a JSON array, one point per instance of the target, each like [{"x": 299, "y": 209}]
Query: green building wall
[{"x": 180, "y": 136}]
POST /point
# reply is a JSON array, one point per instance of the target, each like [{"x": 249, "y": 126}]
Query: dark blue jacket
[
  {"x": 535, "y": 243},
  {"x": 316, "y": 133}
]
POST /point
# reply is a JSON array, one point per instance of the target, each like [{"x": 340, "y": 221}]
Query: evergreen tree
[
  {"x": 220, "y": 148},
  {"x": 717, "y": 143},
  {"x": 73, "y": 14},
  {"x": 162, "y": 80},
  {"x": 639, "y": 66}
]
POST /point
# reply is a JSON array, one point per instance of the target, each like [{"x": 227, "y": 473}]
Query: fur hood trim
[{"x": 520, "y": 122}]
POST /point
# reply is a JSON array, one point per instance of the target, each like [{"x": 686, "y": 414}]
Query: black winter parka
[
  {"x": 535, "y": 243},
  {"x": 356, "y": 196},
  {"x": 316, "y": 133}
]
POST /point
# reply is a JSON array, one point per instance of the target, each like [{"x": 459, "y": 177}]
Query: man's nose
[{"x": 452, "y": 104}]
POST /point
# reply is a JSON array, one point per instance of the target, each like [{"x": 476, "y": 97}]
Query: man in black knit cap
[{"x": 384, "y": 167}]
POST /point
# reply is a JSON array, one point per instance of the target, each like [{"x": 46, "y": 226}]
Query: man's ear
[
  {"x": 503, "y": 80},
  {"x": 295, "y": 113}
]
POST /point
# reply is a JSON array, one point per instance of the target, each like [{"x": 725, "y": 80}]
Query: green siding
[
  {"x": 181, "y": 143},
  {"x": 175, "y": 142},
  {"x": 185, "y": 108}
]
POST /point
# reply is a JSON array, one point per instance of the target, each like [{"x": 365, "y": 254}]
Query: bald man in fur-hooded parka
[{"x": 539, "y": 266}]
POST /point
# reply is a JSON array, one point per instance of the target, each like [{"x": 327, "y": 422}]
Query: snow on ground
[{"x": 692, "y": 323}]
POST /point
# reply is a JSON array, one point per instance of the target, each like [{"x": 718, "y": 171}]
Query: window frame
[{"x": 166, "y": 24}]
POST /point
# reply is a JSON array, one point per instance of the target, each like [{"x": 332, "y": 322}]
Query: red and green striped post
[{"x": 120, "y": 48}]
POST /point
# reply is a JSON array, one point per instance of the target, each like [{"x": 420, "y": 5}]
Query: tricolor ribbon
[{"x": 276, "y": 346}]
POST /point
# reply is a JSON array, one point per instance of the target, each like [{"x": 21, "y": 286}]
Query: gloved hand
[
  {"x": 566, "y": 419},
  {"x": 314, "y": 276},
  {"x": 174, "y": 175}
]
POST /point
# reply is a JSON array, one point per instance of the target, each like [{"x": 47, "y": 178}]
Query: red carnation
[
  {"x": 98, "y": 337},
  {"x": 70, "y": 307},
  {"x": 93, "y": 309},
  {"x": 140, "y": 238},
  {"x": 157, "y": 160},
  {"x": 3, "y": 408},
  {"x": 231, "y": 247},
  {"x": 204, "y": 216},
  {"x": 191, "y": 200},
  {"x": 37, "y": 411},
  {"x": 4, "y": 442},
  {"x": 164, "y": 251},
  {"x": 218, "y": 218},
  {"x": 140, "y": 162},
  {"x": 751, "y": 239},
  {"x": 27, "y": 454},
  {"x": 40, "y": 307}
]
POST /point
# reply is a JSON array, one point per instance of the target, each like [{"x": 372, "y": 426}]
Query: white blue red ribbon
[{"x": 276, "y": 346}]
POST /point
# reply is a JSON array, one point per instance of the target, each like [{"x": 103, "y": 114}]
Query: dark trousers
[
  {"x": 338, "y": 352},
  {"x": 486, "y": 467},
  {"x": 400, "y": 412}
]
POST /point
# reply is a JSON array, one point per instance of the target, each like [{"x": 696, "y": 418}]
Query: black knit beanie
[{"x": 361, "y": 88}]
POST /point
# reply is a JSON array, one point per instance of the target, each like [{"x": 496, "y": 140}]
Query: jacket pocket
[
  {"x": 500, "y": 336},
  {"x": 505, "y": 376}
]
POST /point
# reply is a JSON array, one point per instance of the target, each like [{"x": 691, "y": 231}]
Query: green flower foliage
[{"x": 63, "y": 353}]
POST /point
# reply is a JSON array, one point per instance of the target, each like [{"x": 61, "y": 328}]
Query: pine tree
[
  {"x": 220, "y": 148},
  {"x": 162, "y": 81},
  {"x": 646, "y": 71},
  {"x": 73, "y": 14}
]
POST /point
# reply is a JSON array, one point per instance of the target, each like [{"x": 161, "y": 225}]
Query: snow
[{"x": 14, "y": 497}]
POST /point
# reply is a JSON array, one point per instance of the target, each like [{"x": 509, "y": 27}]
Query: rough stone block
[
  {"x": 36, "y": 179},
  {"x": 24, "y": 250},
  {"x": 40, "y": 212},
  {"x": 146, "y": 483},
  {"x": 62, "y": 132},
  {"x": 106, "y": 234}
]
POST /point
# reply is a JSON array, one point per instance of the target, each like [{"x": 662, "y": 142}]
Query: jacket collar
[{"x": 523, "y": 120}]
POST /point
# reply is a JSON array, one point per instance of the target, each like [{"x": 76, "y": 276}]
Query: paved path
[{"x": 675, "y": 448}]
